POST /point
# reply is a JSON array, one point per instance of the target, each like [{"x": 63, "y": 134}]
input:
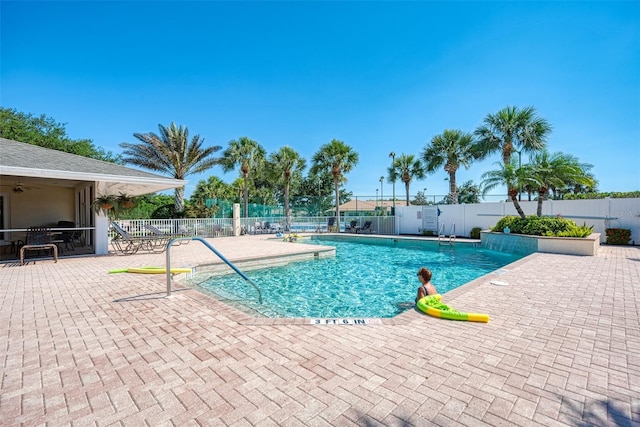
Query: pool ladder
[
  {"x": 442, "y": 238},
  {"x": 215, "y": 251}
]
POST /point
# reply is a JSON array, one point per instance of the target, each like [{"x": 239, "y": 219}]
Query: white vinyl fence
[{"x": 599, "y": 213}]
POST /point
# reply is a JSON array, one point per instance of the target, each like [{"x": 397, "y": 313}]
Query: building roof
[{"x": 24, "y": 162}]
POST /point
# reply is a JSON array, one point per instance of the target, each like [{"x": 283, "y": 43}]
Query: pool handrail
[{"x": 215, "y": 251}]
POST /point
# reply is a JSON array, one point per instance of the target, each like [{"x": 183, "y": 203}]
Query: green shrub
[
  {"x": 475, "y": 233},
  {"x": 542, "y": 226},
  {"x": 576, "y": 231},
  {"x": 618, "y": 236}
]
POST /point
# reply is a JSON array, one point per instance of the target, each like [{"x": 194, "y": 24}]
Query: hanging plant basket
[
  {"x": 125, "y": 201},
  {"x": 103, "y": 204}
]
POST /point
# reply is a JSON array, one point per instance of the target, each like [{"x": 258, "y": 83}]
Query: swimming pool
[{"x": 368, "y": 278}]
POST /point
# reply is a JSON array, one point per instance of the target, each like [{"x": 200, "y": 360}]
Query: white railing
[
  {"x": 442, "y": 238},
  {"x": 218, "y": 227}
]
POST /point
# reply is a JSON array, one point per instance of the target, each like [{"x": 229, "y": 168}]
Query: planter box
[{"x": 525, "y": 245}]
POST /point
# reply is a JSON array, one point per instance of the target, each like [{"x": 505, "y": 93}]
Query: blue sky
[{"x": 380, "y": 76}]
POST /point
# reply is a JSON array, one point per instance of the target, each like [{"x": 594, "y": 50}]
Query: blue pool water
[{"x": 368, "y": 278}]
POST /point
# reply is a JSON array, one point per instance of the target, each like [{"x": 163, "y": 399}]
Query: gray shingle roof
[
  {"x": 37, "y": 164},
  {"x": 23, "y": 155}
]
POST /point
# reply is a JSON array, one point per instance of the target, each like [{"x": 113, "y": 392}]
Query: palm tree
[
  {"x": 171, "y": 152},
  {"x": 338, "y": 158},
  {"x": 555, "y": 170},
  {"x": 247, "y": 153},
  {"x": 453, "y": 148},
  {"x": 507, "y": 175},
  {"x": 512, "y": 129},
  {"x": 406, "y": 167},
  {"x": 212, "y": 188},
  {"x": 287, "y": 165},
  {"x": 586, "y": 185}
]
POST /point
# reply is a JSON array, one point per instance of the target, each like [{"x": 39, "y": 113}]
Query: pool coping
[{"x": 401, "y": 319}]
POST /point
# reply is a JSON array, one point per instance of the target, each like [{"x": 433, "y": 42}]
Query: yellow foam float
[
  {"x": 150, "y": 270},
  {"x": 431, "y": 305}
]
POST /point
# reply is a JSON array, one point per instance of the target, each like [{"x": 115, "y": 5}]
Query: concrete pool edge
[{"x": 307, "y": 251}]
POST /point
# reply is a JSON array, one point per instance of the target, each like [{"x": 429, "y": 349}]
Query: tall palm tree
[
  {"x": 406, "y": 167},
  {"x": 508, "y": 175},
  {"x": 586, "y": 184},
  {"x": 249, "y": 155},
  {"x": 287, "y": 165},
  {"x": 453, "y": 148},
  {"x": 555, "y": 170},
  {"x": 512, "y": 129},
  {"x": 338, "y": 158},
  {"x": 172, "y": 153}
]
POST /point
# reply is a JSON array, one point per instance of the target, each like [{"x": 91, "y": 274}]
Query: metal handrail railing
[{"x": 215, "y": 251}]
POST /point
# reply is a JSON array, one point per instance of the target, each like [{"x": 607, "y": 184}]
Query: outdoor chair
[
  {"x": 182, "y": 232},
  {"x": 162, "y": 238},
  {"x": 257, "y": 227},
  {"x": 366, "y": 228},
  {"x": 352, "y": 227},
  {"x": 126, "y": 244},
  {"x": 38, "y": 238},
  {"x": 69, "y": 237},
  {"x": 331, "y": 223}
]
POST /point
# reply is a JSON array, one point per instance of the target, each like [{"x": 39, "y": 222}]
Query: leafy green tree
[
  {"x": 313, "y": 195},
  {"x": 555, "y": 170},
  {"x": 212, "y": 188},
  {"x": 171, "y": 153},
  {"x": 505, "y": 175},
  {"x": 468, "y": 193},
  {"x": 45, "y": 132},
  {"x": 149, "y": 206},
  {"x": 511, "y": 129},
  {"x": 249, "y": 155},
  {"x": 406, "y": 167},
  {"x": 338, "y": 158},
  {"x": 420, "y": 199},
  {"x": 287, "y": 166},
  {"x": 452, "y": 148}
]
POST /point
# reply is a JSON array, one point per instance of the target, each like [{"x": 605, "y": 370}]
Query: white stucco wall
[{"x": 599, "y": 213}]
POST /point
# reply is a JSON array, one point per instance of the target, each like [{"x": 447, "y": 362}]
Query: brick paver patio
[{"x": 81, "y": 347}]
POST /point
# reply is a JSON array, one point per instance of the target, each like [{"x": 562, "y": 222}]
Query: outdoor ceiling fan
[{"x": 19, "y": 187}]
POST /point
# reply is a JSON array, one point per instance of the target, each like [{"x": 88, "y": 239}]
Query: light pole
[
  {"x": 424, "y": 193},
  {"x": 519, "y": 166},
  {"x": 376, "y": 198},
  {"x": 393, "y": 181},
  {"x": 382, "y": 197},
  {"x": 319, "y": 204}
]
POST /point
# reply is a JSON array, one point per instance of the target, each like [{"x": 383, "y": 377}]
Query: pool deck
[{"x": 81, "y": 346}]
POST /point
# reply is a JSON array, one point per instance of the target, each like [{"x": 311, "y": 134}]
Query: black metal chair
[
  {"x": 38, "y": 238},
  {"x": 366, "y": 228},
  {"x": 69, "y": 237},
  {"x": 352, "y": 227}
]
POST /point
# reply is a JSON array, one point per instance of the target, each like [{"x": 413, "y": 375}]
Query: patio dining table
[{"x": 17, "y": 237}]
